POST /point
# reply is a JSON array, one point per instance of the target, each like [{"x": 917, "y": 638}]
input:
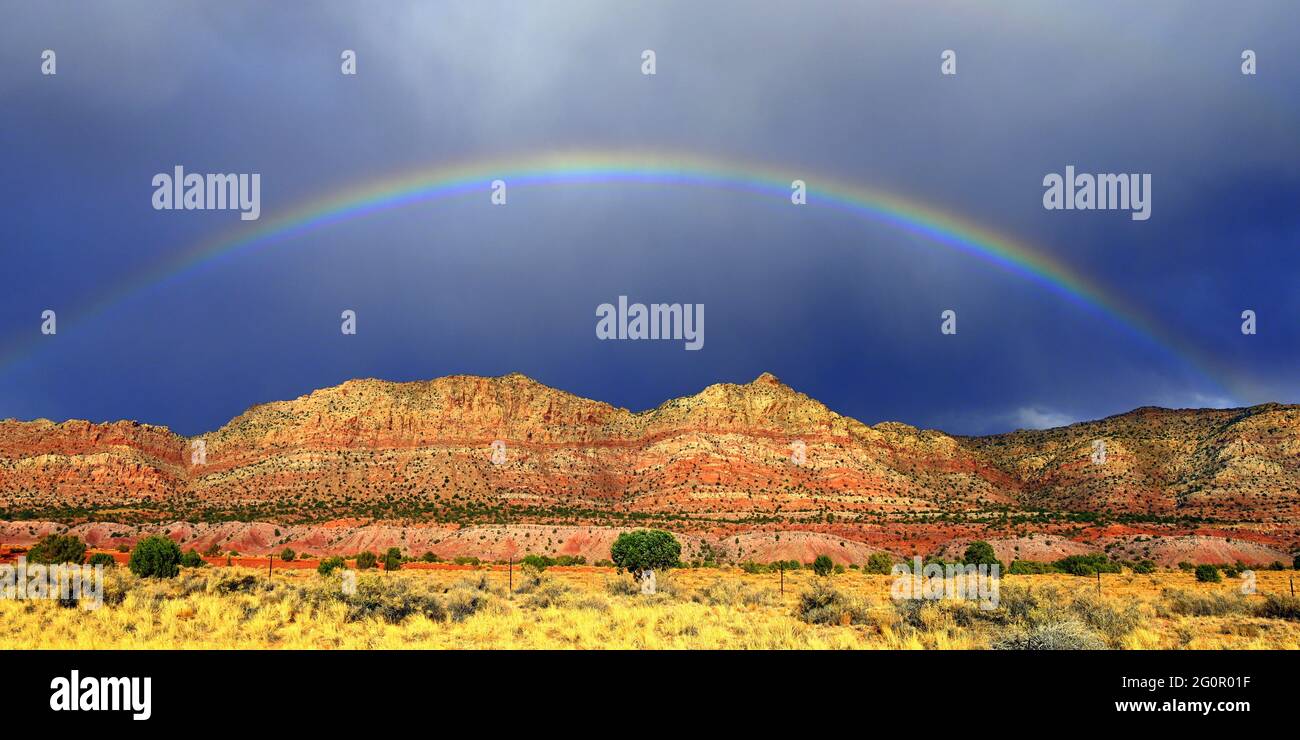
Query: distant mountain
[{"x": 722, "y": 461}]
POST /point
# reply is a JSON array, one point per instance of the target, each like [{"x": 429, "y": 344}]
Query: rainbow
[{"x": 648, "y": 167}]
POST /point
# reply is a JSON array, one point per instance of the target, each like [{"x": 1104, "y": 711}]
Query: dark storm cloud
[{"x": 844, "y": 309}]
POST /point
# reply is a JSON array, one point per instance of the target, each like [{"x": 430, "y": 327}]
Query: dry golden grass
[{"x": 706, "y": 608}]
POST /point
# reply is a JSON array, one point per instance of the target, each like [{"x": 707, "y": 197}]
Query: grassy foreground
[{"x": 218, "y": 607}]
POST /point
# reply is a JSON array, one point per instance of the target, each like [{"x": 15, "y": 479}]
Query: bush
[
  {"x": 392, "y": 559},
  {"x": 1113, "y": 621},
  {"x": 468, "y": 598},
  {"x": 392, "y": 600},
  {"x": 192, "y": 559},
  {"x": 1208, "y": 574},
  {"x": 1087, "y": 565},
  {"x": 1068, "y": 634},
  {"x": 1186, "y": 567},
  {"x": 288, "y": 555},
  {"x": 58, "y": 548},
  {"x": 546, "y": 594},
  {"x": 1295, "y": 564},
  {"x": 1279, "y": 607},
  {"x": 465, "y": 560},
  {"x": 429, "y": 557},
  {"x": 104, "y": 559},
  {"x": 330, "y": 564},
  {"x": 732, "y": 593},
  {"x": 1205, "y": 605},
  {"x": 1031, "y": 567},
  {"x": 213, "y": 550},
  {"x": 646, "y": 549},
  {"x": 980, "y": 552},
  {"x": 535, "y": 561},
  {"x": 155, "y": 557},
  {"x": 1144, "y": 567},
  {"x": 822, "y": 604},
  {"x": 879, "y": 563},
  {"x": 366, "y": 560},
  {"x": 823, "y": 566},
  {"x": 237, "y": 585}
]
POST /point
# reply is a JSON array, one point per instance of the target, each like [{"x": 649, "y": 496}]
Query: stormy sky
[{"x": 844, "y": 308}]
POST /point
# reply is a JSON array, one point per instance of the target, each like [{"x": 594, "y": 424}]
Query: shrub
[
  {"x": 1144, "y": 567},
  {"x": 1205, "y": 605},
  {"x": 465, "y": 560},
  {"x": 1185, "y": 566},
  {"x": 213, "y": 550},
  {"x": 535, "y": 561},
  {"x": 980, "y": 552},
  {"x": 1111, "y": 620},
  {"x": 822, "y": 604},
  {"x": 823, "y": 566},
  {"x": 192, "y": 559},
  {"x": 879, "y": 563},
  {"x": 468, "y": 598},
  {"x": 429, "y": 557},
  {"x": 58, "y": 548},
  {"x": 1031, "y": 567},
  {"x": 155, "y": 557},
  {"x": 392, "y": 559},
  {"x": 391, "y": 600},
  {"x": 366, "y": 560},
  {"x": 1295, "y": 564},
  {"x": 330, "y": 564},
  {"x": 104, "y": 559},
  {"x": 1208, "y": 574},
  {"x": 237, "y": 585},
  {"x": 646, "y": 549},
  {"x": 622, "y": 587},
  {"x": 548, "y": 593},
  {"x": 288, "y": 555},
  {"x": 732, "y": 593},
  {"x": 1279, "y": 607},
  {"x": 1087, "y": 565},
  {"x": 530, "y": 577},
  {"x": 1068, "y": 634}
]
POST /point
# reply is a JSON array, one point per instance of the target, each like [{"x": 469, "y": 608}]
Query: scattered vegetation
[{"x": 58, "y": 548}]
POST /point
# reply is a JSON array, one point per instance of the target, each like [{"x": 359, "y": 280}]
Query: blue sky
[{"x": 844, "y": 309}]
